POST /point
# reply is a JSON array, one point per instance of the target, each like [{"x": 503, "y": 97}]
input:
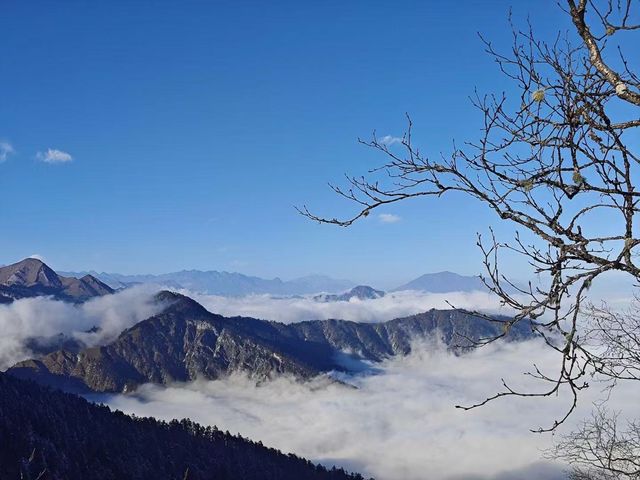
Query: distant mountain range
[
  {"x": 185, "y": 342},
  {"x": 32, "y": 278},
  {"x": 237, "y": 284},
  {"x": 52, "y": 435},
  {"x": 225, "y": 283}
]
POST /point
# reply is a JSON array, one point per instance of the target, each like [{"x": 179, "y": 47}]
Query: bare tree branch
[{"x": 556, "y": 161}]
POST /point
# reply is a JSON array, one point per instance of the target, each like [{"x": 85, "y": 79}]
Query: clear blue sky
[{"x": 195, "y": 127}]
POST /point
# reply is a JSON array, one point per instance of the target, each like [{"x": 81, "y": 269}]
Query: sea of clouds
[
  {"x": 392, "y": 305},
  {"x": 399, "y": 423},
  {"x": 44, "y": 317}
]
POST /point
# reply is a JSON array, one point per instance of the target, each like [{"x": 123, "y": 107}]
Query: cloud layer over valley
[
  {"x": 42, "y": 317},
  {"x": 393, "y": 305},
  {"x": 398, "y": 424}
]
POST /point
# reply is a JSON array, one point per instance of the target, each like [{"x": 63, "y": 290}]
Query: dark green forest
[{"x": 50, "y": 435}]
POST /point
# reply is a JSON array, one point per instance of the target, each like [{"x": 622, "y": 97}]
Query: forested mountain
[
  {"x": 185, "y": 342},
  {"x": 50, "y": 435},
  {"x": 361, "y": 292},
  {"x": 32, "y": 278}
]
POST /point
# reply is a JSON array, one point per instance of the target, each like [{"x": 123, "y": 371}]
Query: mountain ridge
[
  {"x": 185, "y": 342},
  {"x": 54, "y": 435}
]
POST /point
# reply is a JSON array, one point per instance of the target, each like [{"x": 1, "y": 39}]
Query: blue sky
[{"x": 195, "y": 127}]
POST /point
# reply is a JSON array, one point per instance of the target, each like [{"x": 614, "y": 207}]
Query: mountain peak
[
  {"x": 360, "y": 292},
  {"x": 178, "y": 302},
  {"x": 169, "y": 296},
  {"x": 366, "y": 290},
  {"x": 31, "y": 277},
  {"x": 444, "y": 282},
  {"x": 29, "y": 272}
]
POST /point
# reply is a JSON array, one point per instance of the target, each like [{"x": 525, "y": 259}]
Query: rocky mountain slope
[
  {"x": 32, "y": 278},
  {"x": 185, "y": 342},
  {"x": 52, "y": 435}
]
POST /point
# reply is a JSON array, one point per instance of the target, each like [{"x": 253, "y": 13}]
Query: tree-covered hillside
[{"x": 47, "y": 434}]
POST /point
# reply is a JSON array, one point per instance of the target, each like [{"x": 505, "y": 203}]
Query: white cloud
[
  {"x": 54, "y": 156},
  {"x": 44, "y": 317},
  {"x": 389, "y": 140},
  {"x": 398, "y": 424},
  {"x": 392, "y": 305},
  {"x": 6, "y": 149},
  {"x": 389, "y": 218},
  {"x": 37, "y": 256}
]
